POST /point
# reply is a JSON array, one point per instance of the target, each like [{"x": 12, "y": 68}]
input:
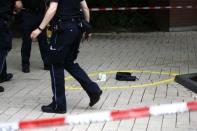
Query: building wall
[
  {"x": 183, "y": 19},
  {"x": 161, "y": 17},
  {"x": 175, "y": 19}
]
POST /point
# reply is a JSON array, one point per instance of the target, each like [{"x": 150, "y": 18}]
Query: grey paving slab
[
  {"x": 126, "y": 125},
  {"x": 155, "y": 123},
  {"x": 169, "y": 52}
]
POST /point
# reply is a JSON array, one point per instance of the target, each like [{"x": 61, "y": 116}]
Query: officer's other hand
[
  {"x": 18, "y": 6},
  {"x": 35, "y": 34}
]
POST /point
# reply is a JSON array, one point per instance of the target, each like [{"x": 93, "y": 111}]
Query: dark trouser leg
[
  {"x": 4, "y": 76},
  {"x": 5, "y": 46},
  {"x": 3, "y": 73},
  {"x": 3, "y": 67},
  {"x": 91, "y": 88},
  {"x": 77, "y": 72},
  {"x": 26, "y": 47},
  {"x": 80, "y": 75},
  {"x": 42, "y": 40},
  {"x": 57, "y": 81}
]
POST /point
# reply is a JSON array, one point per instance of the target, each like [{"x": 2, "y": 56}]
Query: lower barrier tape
[
  {"x": 192, "y": 105},
  {"x": 132, "y": 113},
  {"x": 103, "y": 116},
  {"x": 9, "y": 127},
  {"x": 42, "y": 123},
  {"x": 168, "y": 109}
]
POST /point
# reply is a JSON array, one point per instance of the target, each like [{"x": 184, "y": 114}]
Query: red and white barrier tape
[
  {"x": 143, "y": 8},
  {"x": 103, "y": 116}
]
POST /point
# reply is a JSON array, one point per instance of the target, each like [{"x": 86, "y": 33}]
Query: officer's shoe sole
[
  {"x": 7, "y": 78},
  {"x": 50, "y": 109},
  {"x": 95, "y": 98},
  {"x": 1, "y": 89},
  {"x": 25, "y": 69}
]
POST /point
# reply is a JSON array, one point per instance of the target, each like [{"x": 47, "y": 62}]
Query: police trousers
[
  {"x": 64, "y": 48},
  {"x": 5, "y": 47},
  {"x": 31, "y": 21},
  {"x": 3, "y": 65}
]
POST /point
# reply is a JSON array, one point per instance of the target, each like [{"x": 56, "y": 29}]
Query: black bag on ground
[{"x": 125, "y": 76}]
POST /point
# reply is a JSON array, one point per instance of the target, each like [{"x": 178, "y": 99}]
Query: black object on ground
[
  {"x": 125, "y": 76},
  {"x": 188, "y": 81}
]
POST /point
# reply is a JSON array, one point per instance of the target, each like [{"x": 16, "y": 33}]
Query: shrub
[{"x": 139, "y": 20}]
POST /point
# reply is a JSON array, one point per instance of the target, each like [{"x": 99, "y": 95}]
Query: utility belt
[{"x": 60, "y": 24}]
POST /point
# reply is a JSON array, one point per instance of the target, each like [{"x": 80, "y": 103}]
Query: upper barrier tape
[
  {"x": 143, "y": 8},
  {"x": 102, "y": 116}
]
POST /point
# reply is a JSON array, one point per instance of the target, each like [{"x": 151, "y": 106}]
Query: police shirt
[
  {"x": 34, "y": 4},
  {"x": 67, "y": 8},
  {"x": 6, "y": 9}
]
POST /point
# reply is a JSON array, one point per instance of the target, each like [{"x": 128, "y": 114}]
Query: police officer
[
  {"x": 67, "y": 22},
  {"x": 6, "y": 11},
  {"x": 32, "y": 15}
]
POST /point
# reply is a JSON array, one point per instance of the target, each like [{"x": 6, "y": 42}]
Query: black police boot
[
  {"x": 8, "y": 77},
  {"x": 51, "y": 109},
  {"x": 25, "y": 69},
  {"x": 94, "y": 98},
  {"x": 1, "y": 89}
]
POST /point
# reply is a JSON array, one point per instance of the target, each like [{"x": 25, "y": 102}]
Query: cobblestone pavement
[{"x": 154, "y": 52}]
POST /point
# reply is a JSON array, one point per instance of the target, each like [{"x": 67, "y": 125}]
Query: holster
[{"x": 57, "y": 26}]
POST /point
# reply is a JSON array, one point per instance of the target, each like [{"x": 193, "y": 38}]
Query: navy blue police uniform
[
  {"x": 6, "y": 11},
  {"x": 64, "y": 48},
  {"x": 32, "y": 16}
]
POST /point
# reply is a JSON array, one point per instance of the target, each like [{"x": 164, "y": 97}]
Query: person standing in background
[
  {"x": 32, "y": 14},
  {"x": 6, "y": 12}
]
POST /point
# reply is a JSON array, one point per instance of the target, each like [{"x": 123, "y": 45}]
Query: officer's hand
[
  {"x": 18, "y": 6},
  {"x": 86, "y": 36},
  {"x": 35, "y": 34}
]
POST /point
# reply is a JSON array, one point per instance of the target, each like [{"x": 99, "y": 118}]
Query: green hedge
[{"x": 139, "y": 20}]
